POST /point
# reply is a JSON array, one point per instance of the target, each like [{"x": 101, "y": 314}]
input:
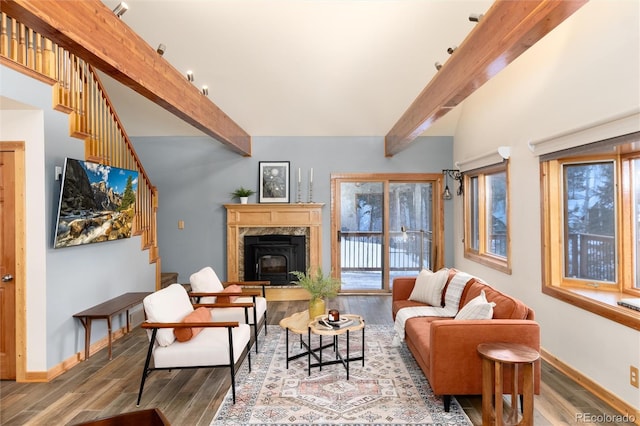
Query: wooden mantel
[{"x": 303, "y": 215}]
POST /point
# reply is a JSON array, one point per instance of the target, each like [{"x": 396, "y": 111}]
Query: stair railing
[{"x": 78, "y": 91}]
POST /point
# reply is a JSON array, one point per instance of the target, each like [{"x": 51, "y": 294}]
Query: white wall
[
  {"x": 27, "y": 126},
  {"x": 586, "y": 70}
]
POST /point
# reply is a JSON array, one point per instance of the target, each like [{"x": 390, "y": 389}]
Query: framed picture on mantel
[{"x": 273, "y": 182}]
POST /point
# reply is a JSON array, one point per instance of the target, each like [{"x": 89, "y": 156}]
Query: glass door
[
  {"x": 385, "y": 226},
  {"x": 361, "y": 235}
]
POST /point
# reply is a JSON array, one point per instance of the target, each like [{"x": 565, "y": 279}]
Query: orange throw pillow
[
  {"x": 233, "y": 288},
  {"x": 201, "y": 314}
]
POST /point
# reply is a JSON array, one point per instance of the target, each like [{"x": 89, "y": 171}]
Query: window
[
  {"x": 591, "y": 230},
  {"x": 487, "y": 216}
]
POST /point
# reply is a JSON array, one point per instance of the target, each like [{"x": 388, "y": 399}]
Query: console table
[{"x": 106, "y": 311}]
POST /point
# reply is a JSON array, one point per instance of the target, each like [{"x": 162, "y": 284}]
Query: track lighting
[
  {"x": 190, "y": 75},
  {"x": 120, "y": 9},
  {"x": 438, "y": 65},
  {"x": 475, "y": 17},
  {"x": 161, "y": 48},
  {"x": 205, "y": 90},
  {"x": 451, "y": 49}
]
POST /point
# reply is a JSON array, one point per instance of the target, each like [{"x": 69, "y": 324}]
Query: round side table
[{"x": 495, "y": 356}]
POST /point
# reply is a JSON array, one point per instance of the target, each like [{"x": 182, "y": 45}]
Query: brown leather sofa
[{"x": 446, "y": 348}]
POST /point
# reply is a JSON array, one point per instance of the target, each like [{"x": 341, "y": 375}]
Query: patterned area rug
[{"x": 389, "y": 390}]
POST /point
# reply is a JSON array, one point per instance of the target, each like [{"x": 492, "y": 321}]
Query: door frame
[
  {"x": 386, "y": 178},
  {"x": 18, "y": 148}
]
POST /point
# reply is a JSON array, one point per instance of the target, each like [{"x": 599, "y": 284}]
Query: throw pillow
[
  {"x": 477, "y": 308},
  {"x": 428, "y": 287},
  {"x": 169, "y": 304},
  {"x": 201, "y": 314},
  {"x": 233, "y": 288}
]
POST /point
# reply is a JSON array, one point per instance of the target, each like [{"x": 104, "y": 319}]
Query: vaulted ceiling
[
  {"x": 294, "y": 67},
  {"x": 298, "y": 67}
]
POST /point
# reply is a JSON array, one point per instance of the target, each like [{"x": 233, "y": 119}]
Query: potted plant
[
  {"x": 243, "y": 194},
  {"x": 319, "y": 287}
]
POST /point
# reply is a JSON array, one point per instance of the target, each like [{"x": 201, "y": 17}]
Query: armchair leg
[
  {"x": 146, "y": 371},
  {"x": 232, "y": 365}
]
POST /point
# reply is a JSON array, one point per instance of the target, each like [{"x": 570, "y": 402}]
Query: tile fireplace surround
[{"x": 264, "y": 219}]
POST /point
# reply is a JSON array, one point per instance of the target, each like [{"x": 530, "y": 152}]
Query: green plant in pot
[
  {"x": 242, "y": 194},
  {"x": 319, "y": 287}
]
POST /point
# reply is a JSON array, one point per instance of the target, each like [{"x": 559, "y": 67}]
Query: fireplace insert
[{"x": 274, "y": 257}]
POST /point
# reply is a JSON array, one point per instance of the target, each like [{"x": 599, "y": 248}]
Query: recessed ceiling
[{"x": 298, "y": 67}]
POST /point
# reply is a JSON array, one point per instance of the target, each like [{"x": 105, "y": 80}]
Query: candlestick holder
[
  {"x": 310, "y": 191},
  {"x": 299, "y": 197}
]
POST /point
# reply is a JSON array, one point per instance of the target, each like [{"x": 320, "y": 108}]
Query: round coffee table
[{"x": 300, "y": 324}]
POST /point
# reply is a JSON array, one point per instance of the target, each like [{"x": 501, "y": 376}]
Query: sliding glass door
[{"x": 384, "y": 226}]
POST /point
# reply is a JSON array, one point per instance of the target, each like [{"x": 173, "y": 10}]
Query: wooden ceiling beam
[
  {"x": 92, "y": 32},
  {"x": 506, "y": 31}
]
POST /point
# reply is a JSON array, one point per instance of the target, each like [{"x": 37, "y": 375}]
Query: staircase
[{"x": 78, "y": 91}]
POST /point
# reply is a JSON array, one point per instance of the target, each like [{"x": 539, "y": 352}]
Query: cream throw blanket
[{"x": 416, "y": 311}]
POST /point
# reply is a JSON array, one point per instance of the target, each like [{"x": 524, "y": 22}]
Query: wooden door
[{"x": 7, "y": 266}]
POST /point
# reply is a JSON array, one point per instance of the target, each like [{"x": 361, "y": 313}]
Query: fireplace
[{"x": 274, "y": 257}]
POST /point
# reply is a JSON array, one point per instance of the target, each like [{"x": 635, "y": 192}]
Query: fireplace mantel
[{"x": 302, "y": 215}]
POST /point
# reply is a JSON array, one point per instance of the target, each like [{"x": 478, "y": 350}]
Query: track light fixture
[
  {"x": 438, "y": 65},
  {"x": 190, "y": 75},
  {"x": 475, "y": 17},
  {"x": 120, "y": 9},
  {"x": 161, "y": 49},
  {"x": 205, "y": 90},
  {"x": 455, "y": 175},
  {"x": 451, "y": 49}
]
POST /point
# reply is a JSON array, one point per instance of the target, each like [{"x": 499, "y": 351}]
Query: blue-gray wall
[
  {"x": 75, "y": 278},
  {"x": 194, "y": 176}
]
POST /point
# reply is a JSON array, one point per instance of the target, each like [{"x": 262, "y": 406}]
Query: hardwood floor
[{"x": 97, "y": 388}]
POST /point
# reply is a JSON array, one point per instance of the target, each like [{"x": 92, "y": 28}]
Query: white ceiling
[{"x": 298, "y": 67}]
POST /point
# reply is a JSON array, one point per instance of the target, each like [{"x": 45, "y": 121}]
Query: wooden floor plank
[{"x": 98, "y": 387}]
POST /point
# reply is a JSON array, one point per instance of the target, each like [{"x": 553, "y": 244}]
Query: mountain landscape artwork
[{"x": 97, "y": 203}]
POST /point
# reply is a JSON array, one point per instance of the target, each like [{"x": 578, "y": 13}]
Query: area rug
[{"x": 389, "y": 390}]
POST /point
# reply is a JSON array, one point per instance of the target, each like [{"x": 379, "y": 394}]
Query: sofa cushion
[
  {"x": 428, "y": 287},
  {"x": 477, "y": 309},
  {"x": 506, "y": 307},
  {"x": 234, "y": 288},
  {"x": 170, "y": 304},
  {"x": 206, "y": 281}
]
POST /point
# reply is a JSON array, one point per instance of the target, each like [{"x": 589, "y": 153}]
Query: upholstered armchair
[
  {"x": 206, "y": 287},
  {"x": 183, "y": 337}
]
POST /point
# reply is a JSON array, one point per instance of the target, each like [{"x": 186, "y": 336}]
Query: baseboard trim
[
  {"x": 72, "y": 361},
  {"x": 593, "y": 387}
]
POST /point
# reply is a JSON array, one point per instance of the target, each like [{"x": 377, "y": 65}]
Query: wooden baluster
[
  {"x": 4, "y": 38},
  {"x": 22, "y": 51},
  {"x": 38, "y": 60},
  {"x": 14, "y": 40},
  {"x": 31, "y": 51}
]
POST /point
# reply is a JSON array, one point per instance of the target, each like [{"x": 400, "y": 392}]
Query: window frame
[
  {"x": 598, "y": 300},
  {"x": 481, "y": 254}
]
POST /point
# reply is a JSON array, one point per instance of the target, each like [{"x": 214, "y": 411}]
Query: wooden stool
[{"x": 494, "y": 356}]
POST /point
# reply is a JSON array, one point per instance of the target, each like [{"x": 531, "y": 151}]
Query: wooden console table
[{"x": 106, "y": 311}]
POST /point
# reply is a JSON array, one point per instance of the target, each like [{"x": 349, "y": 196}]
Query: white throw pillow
[
  {"x": 477, "y": 308},
  {"x": 428, "y": 287}
]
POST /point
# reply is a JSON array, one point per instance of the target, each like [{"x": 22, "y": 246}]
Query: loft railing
[{"x": 78, "y": 91}]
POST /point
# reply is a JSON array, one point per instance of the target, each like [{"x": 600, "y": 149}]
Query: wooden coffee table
[{"x": 300, "y": 324}]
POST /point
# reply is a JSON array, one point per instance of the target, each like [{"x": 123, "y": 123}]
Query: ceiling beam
[
  {"x": 92, "y": 32},
  {"x": 506, "y": 31}
]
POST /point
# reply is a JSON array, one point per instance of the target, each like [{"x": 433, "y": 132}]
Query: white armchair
[
  {"x": 206, "y": 287},
  {"x": 183, "y": 337}
]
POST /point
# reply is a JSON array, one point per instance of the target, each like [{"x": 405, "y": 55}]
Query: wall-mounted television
[{"x": 97, "y": 203}]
